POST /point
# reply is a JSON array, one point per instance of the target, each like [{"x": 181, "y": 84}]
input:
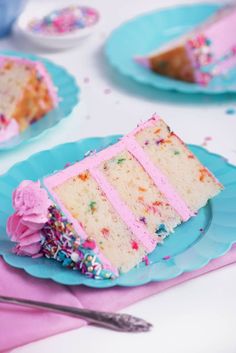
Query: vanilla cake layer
[
  {"x": 85, "y": 201},
  {"x": 190, "y": 178}
]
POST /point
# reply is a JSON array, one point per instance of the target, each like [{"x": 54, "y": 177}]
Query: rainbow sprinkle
[
  {"x": 120, "y": 160},
  {"x": 134, "y": 245},
  {"x": 3, "y": 121},
  {"x": 167, "y": 257},
  {"x": 161, "y": 230},
  {"x": 83, "y": 176},
  {"x": 143, "y": 219},
  {"x": 176, "y": 153},
  {"x": 92, "y": 206},
  {"x": 146, "y": 260},
  {"x": 64, "y": 21},
  {"x": 105, "y": 232}
]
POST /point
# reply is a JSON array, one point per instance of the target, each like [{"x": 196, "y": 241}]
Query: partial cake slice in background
[
  {"x": 26, "y": 94},
  {"x": 198, "y": 56},
  {"x": 106, "y": 213}
]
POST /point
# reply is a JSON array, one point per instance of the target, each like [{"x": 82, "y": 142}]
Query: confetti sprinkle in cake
[{"x": 105, "y": 214}]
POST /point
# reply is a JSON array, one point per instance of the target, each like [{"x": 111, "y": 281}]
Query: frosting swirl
[{"x": 31, "y": 204}]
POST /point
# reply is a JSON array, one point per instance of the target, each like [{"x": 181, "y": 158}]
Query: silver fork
[{"x": 113, "y": 321}]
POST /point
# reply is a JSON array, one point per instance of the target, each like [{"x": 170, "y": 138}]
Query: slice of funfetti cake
[
  {"x": 204, "y": 53},
  {"x": 104, "y": 214},
  {"x": 27, "y": 94}
]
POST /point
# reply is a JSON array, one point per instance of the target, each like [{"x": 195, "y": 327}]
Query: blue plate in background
[
  {"x": 68, "y": 93},
  {"x": 189, "y": 248},
  {"x": 146, "y": 33}
]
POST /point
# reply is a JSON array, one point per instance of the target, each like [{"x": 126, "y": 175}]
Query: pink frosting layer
[
  {"x": 222, "y": 34},
  {"x": 11, "y": 130},
  {"x": 91, "y": 163}
]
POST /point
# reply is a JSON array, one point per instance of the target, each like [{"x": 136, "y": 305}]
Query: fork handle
[{"x": 114, "y": 321}]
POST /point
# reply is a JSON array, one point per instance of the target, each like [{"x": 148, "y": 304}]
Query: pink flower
[
  {"x": 31, "y": 204},
  {"x": 30, "y": 199},
  {"x": 28, "y": 238}
]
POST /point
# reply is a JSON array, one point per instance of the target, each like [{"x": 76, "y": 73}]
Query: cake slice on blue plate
[
  {"x": 105, "y": 214},
  {"x": 204, "y": 53},
  {"x": 27, "y": 94}
]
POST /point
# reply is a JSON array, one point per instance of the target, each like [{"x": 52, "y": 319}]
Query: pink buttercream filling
[{"x": 11, "y": 130}]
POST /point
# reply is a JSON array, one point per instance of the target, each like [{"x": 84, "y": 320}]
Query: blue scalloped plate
[
  {"x": 68, "y": 93},
  {"x": 146, "y": 33},
  {"x": 188, "y": 247}
]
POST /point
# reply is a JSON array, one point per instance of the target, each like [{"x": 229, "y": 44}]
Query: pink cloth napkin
[{"x": 19, "y": 326}]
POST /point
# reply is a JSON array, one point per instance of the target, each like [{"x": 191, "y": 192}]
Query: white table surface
[{"x": 197, "y": 316}]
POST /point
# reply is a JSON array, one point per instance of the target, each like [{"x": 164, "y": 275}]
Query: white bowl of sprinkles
[{"x": 58, "y": 29}]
